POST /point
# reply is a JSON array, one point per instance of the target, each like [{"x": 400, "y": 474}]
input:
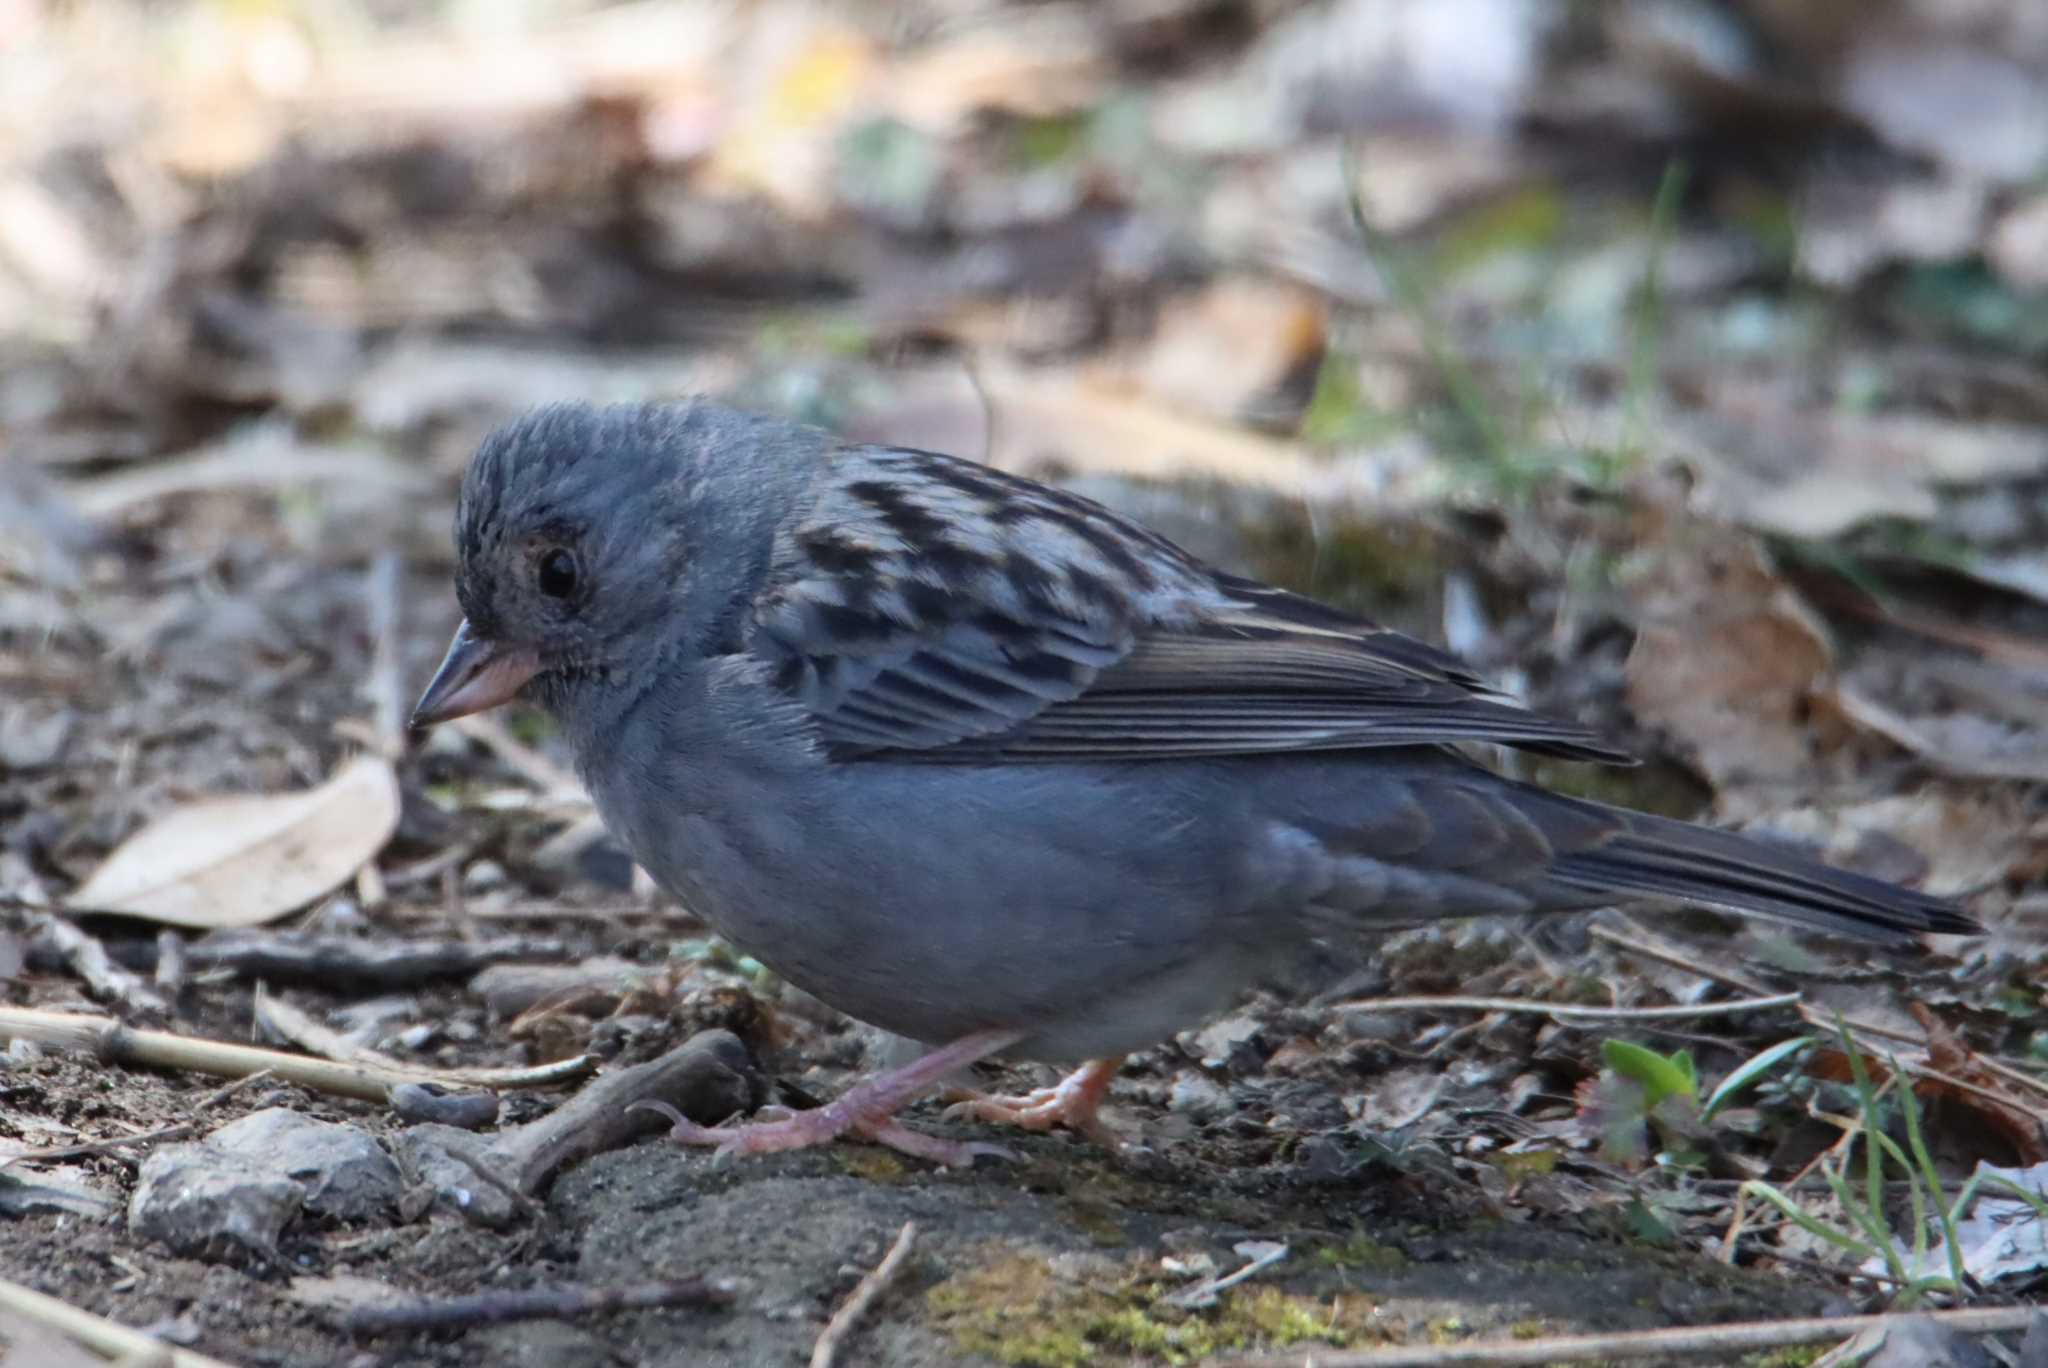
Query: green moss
[
  {"x": 1791, "y": 1356},
  {"x": 1362, "y": 1252},
  {"x": 1014, "y": 1309}
]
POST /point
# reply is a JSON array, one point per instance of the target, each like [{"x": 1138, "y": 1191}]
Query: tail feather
[{"x": 1662, "y": 858}]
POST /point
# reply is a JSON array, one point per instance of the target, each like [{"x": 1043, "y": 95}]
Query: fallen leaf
[
  {"x": 1725, "y": 659},
  {"x": 1230, "y": 349},
  {"x": 240, "y": 861}
]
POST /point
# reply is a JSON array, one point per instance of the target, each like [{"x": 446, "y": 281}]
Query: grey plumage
[{"x": 959, "y": 753}]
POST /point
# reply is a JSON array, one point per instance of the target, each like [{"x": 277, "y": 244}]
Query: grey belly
[{"x": 1098, "y": 911}]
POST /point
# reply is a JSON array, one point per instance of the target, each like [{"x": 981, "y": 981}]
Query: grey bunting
[{"x": 984, "y": 764}]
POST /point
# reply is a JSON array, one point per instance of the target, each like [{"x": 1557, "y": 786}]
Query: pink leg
[
  {"x": 1072, "y": 1102},
  {"x": 866, "y": 1109}
]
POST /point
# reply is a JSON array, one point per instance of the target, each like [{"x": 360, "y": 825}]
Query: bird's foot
[
  {"x": 867, "y": 1109},
  {"x": 1074, "y": 1102}
]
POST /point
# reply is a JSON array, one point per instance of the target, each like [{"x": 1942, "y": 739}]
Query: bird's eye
[{"x": 557, "y": 576}]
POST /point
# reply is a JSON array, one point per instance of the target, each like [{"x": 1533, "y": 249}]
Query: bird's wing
[{"x": 931, "y": 609}]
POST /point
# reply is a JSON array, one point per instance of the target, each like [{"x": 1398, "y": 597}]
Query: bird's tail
[{"x": 1669, "y": 859}]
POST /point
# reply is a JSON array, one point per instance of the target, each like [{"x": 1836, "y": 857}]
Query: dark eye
[{"x": 557, "y": 577}]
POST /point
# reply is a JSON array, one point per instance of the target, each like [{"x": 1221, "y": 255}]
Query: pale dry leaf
[
  {"x": 1772, "y": 465},
  {"x": 1223, "y": 350},
  {"x": 241, "y": 861},
  {"x": 1725, "y": 659},
  {"x": 1948, "y": 837},
  {"x": 1969, "y": 745}
]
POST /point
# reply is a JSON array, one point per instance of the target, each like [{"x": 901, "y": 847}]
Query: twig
[
  {"x": 1569, "y": 1009},
  {"x": 106, "y": 1038},
  {"x": 537, "y": 1303},
  {"x": 87, "y": 958},
  {"x": 96, "y": 1333},
  {"x": 383, "y": 961},
  {"x": 1259, "y": 1256},
  {"x": 1740, "y": 1337},
  {"x": 295, "y": 1027},
  {"x": 870, "y": 1287}
]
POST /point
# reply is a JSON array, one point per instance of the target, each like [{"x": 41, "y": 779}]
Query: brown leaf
[
  {"x": 240, "y": 861},
  {"x": 1726, "y": 658}
]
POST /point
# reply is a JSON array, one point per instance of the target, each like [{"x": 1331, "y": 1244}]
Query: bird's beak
[{"x": 474, "y": 675}]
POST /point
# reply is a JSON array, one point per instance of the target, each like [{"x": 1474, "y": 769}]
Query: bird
[{"x": 982, "y": 763}]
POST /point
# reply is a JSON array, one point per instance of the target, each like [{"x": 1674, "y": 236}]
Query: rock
[
  {"x": 429, "y": 1151},
  {"x": 1199, "y": 1096},
  {"x": 470, "y": 1109},
  {"x": 201, "y": 1201},
  {"x": 33, "y": 738},
  {"x": 344, "y": 1173},
  {"x": 1230, "y": 1043}
]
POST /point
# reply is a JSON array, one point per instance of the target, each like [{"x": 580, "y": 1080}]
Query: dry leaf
[
  {"x": 1725, "y": 660},
  {"x": 240, "y": 861},
  {"x": 1235, "y": 344}
]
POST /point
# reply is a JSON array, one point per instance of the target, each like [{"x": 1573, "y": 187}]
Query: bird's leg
[
  {"x": 866, "y": 1109},
  {"x": 1072, "y": 1102}
]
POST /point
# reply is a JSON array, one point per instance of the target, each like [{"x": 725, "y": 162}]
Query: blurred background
[{"x": 1682, "y": 363}]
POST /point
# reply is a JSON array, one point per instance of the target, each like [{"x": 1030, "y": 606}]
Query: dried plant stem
[
  {"x": 1570, "y": 1009},
  {"x": 107, "y": 1039},
  {"x": 872, "y": 1286},
  {"x": 1724, "y": 1341}
]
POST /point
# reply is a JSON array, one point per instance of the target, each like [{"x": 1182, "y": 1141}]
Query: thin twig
[
  {"x": 1726, "y": 1341},
  {"x": 870, "y": 1287},
  {"x": 537, "y": 1303},
  {"x": 1569, "y": 1009}
]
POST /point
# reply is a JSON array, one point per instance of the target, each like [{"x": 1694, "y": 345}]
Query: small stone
[
  {"x": 469, "y": 1109},
  {"x": 33, "y": 738},
  {"x": 483, "y": 875},
  {"x": 343, "y": 1173},
  {"x": 1230, "y": 1043},
  {"x": 203, "y": 1202},
  {"x": 1199, "y": 1096}
]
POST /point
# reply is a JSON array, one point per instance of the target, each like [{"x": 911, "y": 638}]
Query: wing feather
[{"x": 932, "y": 609}]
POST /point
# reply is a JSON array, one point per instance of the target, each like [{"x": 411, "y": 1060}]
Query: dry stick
[
  {"x": 870, "y": 1287},
  {"x": 1568, "y": 1009},
  {"x": 107, "y": 1039},
  {"x": 96, "y": 1333},
  {"x": 89, "y": 960},
  {"x": 538, "y": 1303},
  {"x": 1740, "y": 1337},
  {"x": 298, "y": 1028}
]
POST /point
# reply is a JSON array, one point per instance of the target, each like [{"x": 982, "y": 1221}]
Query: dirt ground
[{"x": 1683, "y": 372}]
